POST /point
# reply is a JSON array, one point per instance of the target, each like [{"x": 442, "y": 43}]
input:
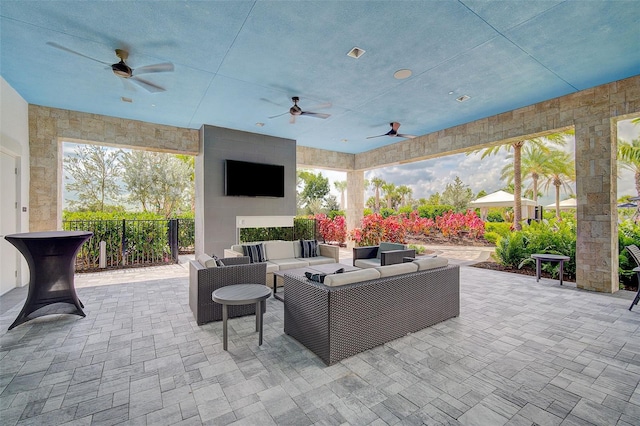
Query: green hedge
[
  {"x": 303, "y": 228},
  {"x": 554, "y": 237},
  {"x": 432, "y": 211}
]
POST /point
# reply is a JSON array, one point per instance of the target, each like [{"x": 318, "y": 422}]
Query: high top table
[{"x": 51, "y": 258}]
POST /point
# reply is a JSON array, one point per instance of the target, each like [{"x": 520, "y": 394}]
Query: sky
[{"x": 431, "y": 176}]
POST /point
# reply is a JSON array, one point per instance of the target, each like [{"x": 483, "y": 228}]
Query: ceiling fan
[
  {"x": 121, "y": 69},
  {"x": 295, "y": 111},
  {"x": 394, "y": 132}
]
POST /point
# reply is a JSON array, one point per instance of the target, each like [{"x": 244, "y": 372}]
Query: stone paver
[{"x": 521, "y": 352}]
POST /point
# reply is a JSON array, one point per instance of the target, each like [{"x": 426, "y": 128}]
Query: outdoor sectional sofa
[
  {"x": 356, "y": 311},
  {"x": 281, "y": 255}
]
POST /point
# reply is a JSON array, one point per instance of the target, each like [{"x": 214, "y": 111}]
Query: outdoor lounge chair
[{"x": 634, "y": 251}]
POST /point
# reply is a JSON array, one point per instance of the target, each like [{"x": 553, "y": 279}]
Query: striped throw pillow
[
  {"x": 255, "y": 252},
  {"x": 309, "y": 248}
]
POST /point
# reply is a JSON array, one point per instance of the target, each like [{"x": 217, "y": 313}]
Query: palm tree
[
  {"x": 403, "y": 191},
  {"x": 562, "y": 173},
  {"x": 389, "y": 190},
  {"x": 341, "y": 185},
  {"x": 516, "y": 147},
  {"x": 535, "y": 164},
  {"x": 377, "y": 184},
  {"x": 629, "y": 158}
]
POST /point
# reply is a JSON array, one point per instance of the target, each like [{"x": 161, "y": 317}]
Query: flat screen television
[{"x": 246, "y": 179}]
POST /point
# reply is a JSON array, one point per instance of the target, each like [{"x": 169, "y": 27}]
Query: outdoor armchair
[
  {"x": 203, "y": 281},
  {"x": 634, "y": 251},
  {"x": 384, "y": 254}
]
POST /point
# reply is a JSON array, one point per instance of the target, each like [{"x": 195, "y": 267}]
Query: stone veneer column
[
  {"x": 596, "y": 187},
  {"x": 355, "y": 201}
]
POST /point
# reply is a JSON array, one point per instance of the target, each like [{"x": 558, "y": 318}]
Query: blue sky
[{"x": 430, "y": 176}]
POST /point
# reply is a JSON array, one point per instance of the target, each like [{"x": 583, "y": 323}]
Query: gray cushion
[
  {"x": 431, "y": 262},
  {"x": 397, "y": 269},
  {"x": 367, "y": 263},
  {"x": 207, "y": 261},
  {"x": 334, "y": 280},
  {"x": 389, "y": 247},
  {"x": 279, "y": 249},
  {"x": 289, "y": 263}
]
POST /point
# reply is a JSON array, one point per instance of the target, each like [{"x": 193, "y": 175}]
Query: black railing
[{"x": 132, "y": 243}]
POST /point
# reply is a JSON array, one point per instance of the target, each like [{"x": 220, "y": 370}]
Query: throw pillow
[
  {"x": 309, "y": 248},
  {"x": 319, "y": 278},
  {"x": 255, "y": 252}
]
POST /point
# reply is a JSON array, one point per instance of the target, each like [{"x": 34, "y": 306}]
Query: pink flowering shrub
[
  {"x": 375, "y": 228},
  {"x": 331, "y": 230},
  {"x": 453, "y": 224}
]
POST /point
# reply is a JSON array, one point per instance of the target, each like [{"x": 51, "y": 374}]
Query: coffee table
[
  {"x": 241, "y": 294},
  {"x": 324, "y": 268}
]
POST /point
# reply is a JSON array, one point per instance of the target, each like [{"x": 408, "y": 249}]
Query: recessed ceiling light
[
  {"x": 402, "y": 74},
  {"x": 153, "y": 105},
  {"x": 260, "y": 124},
  {"x": 356, "y": 52},
  {"x": 451, "y": 93},
  {"x": 463, "y": 98},
  {"x": 123, "y": 99}
]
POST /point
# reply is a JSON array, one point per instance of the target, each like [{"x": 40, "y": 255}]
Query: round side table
[{"x": 241, "y": 294}]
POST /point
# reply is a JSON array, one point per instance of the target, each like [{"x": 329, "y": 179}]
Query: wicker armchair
[
  {"x": 390, "y": 254},
  {"x": 203, "y": 281},
  {"x": 634, "y": 251}
]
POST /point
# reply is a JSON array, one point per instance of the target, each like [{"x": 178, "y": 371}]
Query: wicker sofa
[
  {"x": 338, "y": 321},
  {"x": 205, "y": 277},
  {"x": 282, "y": 255}
]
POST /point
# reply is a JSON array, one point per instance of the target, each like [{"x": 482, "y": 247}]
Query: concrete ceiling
[{"x": 237, "y": 63}]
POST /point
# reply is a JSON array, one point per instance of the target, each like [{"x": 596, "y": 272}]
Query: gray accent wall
[{"x": 215, "y": 212}]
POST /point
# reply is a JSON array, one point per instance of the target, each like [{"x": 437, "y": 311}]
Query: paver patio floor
[{"x": 521, "y": 353}]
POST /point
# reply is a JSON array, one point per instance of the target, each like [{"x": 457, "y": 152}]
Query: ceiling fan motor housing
[{"x": 121, "y": 69}]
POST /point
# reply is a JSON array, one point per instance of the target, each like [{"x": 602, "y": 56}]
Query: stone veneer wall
[{"x": 49, "y": 127}]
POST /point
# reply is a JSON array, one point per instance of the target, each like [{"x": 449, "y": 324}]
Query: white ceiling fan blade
[
  {"x": 292, "y": 120},
  {"x": 164, "y": 67},
  {"x": 66, "y": 49},
  {"x": 402, "y": 135},
  {"x": 316, "y": 114},
  {"x": 379, "y": 136},
  {"x": 153, "y": 88}
]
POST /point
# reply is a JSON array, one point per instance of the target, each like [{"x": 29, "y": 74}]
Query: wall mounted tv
[{"x": 245, "y": 179}]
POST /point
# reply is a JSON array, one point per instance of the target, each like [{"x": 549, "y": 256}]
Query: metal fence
[{"x": 132, "y": 243}]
